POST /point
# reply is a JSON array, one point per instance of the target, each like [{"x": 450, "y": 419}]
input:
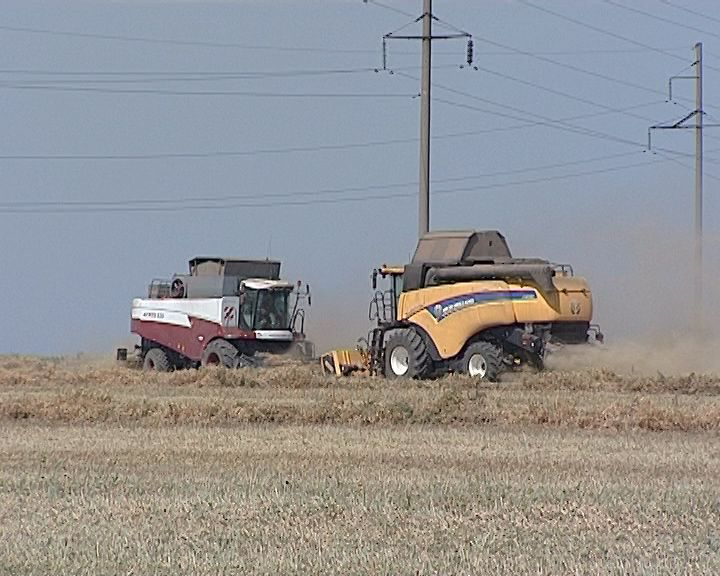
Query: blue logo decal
[{"x": 444, "y": 308}]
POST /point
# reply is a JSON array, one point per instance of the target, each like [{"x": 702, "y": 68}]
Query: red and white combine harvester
[{"x": 222, "y": 313}]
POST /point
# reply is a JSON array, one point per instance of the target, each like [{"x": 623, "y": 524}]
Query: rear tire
[
  {"x": 156, "y": 359},
  {"x": 482, "y": 360},
  {"x": 220, "y": 353},
  {"x": 406, "y": 355}
]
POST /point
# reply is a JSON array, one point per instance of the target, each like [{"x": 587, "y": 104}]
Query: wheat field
[{"x": 107, "y": 470}]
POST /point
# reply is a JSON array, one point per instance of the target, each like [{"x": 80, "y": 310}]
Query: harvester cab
[
  {"x": 464, "y": 304},
  {"x": 224, "y": 311}
]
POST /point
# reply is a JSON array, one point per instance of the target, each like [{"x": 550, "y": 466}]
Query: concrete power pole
[
  {"x": 424, "y": 198},
  {"x": 698, "y": 240},
  {"x": 699, "y": 126},
  {"x": 427, "y": 38}
]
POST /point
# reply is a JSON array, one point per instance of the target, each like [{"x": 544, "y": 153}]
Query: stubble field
[{"x": 105, "y": 470}]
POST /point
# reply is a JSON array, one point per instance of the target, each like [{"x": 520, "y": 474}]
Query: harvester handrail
[
  {"x": 564, "y": 269},
  {"x": 299, "y": 314},
  {"x": 381, "y": 307}
]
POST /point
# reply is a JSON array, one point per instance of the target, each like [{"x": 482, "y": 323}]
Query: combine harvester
[
  {"x": 222, "y": 313},
  {"x": 465, "y": 305}
]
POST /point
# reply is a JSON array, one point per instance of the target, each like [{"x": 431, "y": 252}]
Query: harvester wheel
[
  {"x": 482, "y": 360},
  {"x": 156, "y": 359},
  {"x": 406, "y": 355},
  {"x": 220, "y": 353}
]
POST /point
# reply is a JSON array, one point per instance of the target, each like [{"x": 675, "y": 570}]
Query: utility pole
[
  {"x": 424, "y": 198},
  {"x": 698, "y": 243},
  {"x": 427, "y": 37},
  {"x": 698, "y": 126}
]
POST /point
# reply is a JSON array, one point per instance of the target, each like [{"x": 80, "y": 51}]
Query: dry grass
[
  {"x": 105, "y": 470},
  {"x": 51, "y": 391},
  {"x": 348, "y": 500}
]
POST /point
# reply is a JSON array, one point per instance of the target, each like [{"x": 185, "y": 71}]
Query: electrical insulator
[{"x": 470, "y": 52}]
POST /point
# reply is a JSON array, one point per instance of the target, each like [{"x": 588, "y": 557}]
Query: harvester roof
[
  {"x": 241, "y": 267},
  {"x": 455, "y": 247},
  {"x": 264, "y": 284},
  {"x": 466, "y": 255}
]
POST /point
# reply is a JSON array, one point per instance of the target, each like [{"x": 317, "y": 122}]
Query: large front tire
[
  {"x": 220, "y": 353},
  {"x": 406, "y": 355},
  {"x": 482, "y": 360},
  {"x": 156, "y": 359}
]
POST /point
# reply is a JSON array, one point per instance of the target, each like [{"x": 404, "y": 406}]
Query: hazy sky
[{"x": 138, "y": 134}]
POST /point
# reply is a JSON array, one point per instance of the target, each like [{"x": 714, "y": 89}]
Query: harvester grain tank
[
  {"x": 223, "y": 312},
  {"x": 465, "y": 305}
]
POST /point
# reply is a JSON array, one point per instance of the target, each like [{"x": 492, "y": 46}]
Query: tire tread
[
  {"x": 493, "y": 357},
  {"x": 159, "y": 358},
  {"x": 419, "y": 358}
]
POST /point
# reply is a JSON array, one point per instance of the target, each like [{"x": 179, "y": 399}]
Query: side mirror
[
  {"x": 307, "y": 293},
  {"x": 374, "y": 279}
]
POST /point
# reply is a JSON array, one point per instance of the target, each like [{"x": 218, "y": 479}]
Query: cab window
[
  {"x": 272, "y": 310},
  {"x": 247, "y": 309}
]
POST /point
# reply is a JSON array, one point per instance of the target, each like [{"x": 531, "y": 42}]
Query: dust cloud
[
  {"x": 644, "y": 294},
  {"x": 642, "y": 357},
  {"x": 336, "y": 321},
  {"x": 333, "y": 329}
]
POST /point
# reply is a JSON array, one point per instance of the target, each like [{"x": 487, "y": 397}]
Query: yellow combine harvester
[{"x": 465, "y": 305}]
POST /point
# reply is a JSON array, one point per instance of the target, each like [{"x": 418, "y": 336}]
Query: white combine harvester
[{"x": 222, "y": 313}]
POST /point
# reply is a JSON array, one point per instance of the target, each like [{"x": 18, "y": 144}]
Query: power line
[
  {"x": 603, "y": 31},
  {"x": 609, "y": 109},
  {"x": 235, "y": 153},
  {"x": 530, "y": 124},
  {"x": 552, "y": 124},
  {"x": 510, "y": 50},
  {"x": 390, "y": 8},
  {"x": 561, "y": 93},
  {"x": 332, "y": 191},
  {"x": 311, "y": 149},
  {"x": 97, "y": 77},
  {"x": 126, "y": 76},
  {"x": 294, "y": 149},
  {"x": 300, "y": 95},
  {"x": 542, "y": 58},
  {"x": 43, "y": 85},
  {"x": 204, "y": 93},
  {"x": 598, "y": 29},
  {"x": 572, "y": 67},
  {"x": 548, "y": 53},
  {"x": 212, "y": 154},
  {"x": 612, "y": 34},
  {"x": 32, "y": 78},
  {"x": 691, "y": 168},
  {"x": 517, "y": 52},
  {"x": 660, "y": 18},
  {"x": 558, "y": 125},
  {"x": 172, "y": 42},
  {"x": 563, "y": 126},
  {"x": 589, "y": 51},
  {"x": 689, "y": 11},
  {"x": 92, "y": 208}
]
